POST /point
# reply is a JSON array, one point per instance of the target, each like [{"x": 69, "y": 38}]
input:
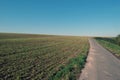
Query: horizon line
[{"x": 52, "y": 34}]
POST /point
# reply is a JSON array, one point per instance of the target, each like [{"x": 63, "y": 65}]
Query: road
[{"x": 101, "y": 64}]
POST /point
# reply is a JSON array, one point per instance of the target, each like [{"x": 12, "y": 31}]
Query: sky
[{"x": 61, "y": 17}]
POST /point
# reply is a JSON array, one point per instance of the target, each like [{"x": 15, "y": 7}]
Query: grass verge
[
  {"x": 110, "y": 45},
  {"x": 73, "y": 68}
]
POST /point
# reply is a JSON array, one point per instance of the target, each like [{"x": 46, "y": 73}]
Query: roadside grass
[
  {"x": 72, "y": 69},
  {"x": 110, "y": 44}
]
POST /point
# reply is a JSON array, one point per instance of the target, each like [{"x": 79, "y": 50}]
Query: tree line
[{"x": 118, "y": 39}]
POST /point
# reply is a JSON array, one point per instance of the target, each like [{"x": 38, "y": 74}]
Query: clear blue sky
[{"x": 61, "y": 17}]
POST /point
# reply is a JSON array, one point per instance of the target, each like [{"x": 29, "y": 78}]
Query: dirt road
[{"x": 101, "y": 64}]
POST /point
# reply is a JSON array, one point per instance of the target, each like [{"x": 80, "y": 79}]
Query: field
[
  {"x": 111, "y": 45},
  {"x": 41, "y": 57}
]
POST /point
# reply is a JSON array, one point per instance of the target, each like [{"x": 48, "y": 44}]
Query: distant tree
[{"x": 118, "y": 40}]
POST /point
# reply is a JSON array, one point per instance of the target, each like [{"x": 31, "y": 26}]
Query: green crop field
[
  {"x": 110, "y": 44},
  {"x": 41, "y": 57}
]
